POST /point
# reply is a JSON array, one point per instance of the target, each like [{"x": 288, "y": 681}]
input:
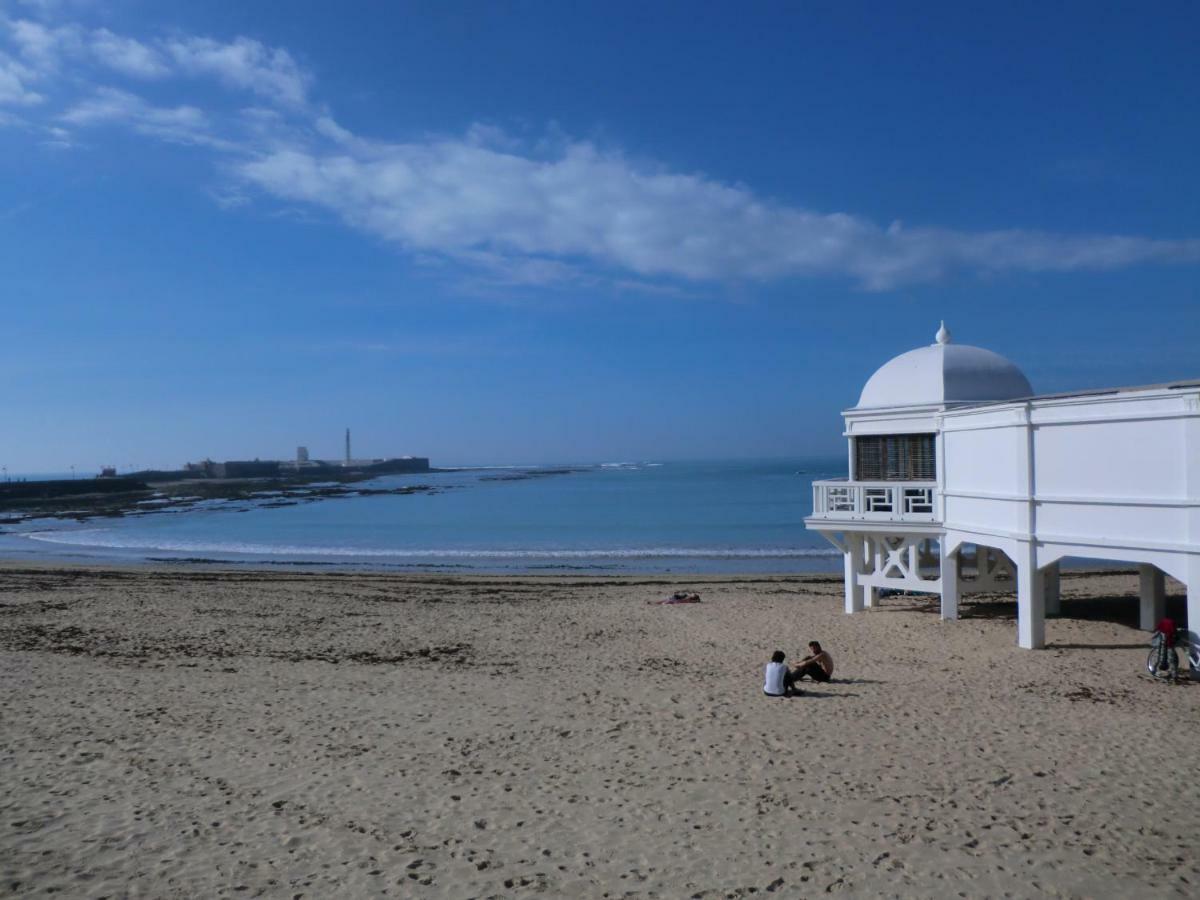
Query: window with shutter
[{"x": 895, "y": 457}]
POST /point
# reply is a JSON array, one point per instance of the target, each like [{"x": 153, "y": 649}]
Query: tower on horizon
[{"x": 347, "y": 446}]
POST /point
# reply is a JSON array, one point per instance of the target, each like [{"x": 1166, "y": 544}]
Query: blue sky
[{"x": 530, "y": 232}]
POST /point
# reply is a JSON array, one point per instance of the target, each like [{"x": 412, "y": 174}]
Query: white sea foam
[
  {"x": 114, "y": 541},
  {"x": 490, "y": 468}
]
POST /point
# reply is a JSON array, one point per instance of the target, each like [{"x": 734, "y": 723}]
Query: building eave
[{"x": 816, "y": 523}]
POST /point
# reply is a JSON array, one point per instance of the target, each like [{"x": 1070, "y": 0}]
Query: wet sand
[{"x": 195, "y": 733}]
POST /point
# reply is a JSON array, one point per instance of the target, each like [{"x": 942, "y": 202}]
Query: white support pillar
[
  {"x": 853, "y": 561},
  {"x": 949, "y": 572},
  {"x": 1193, "y": 599},
  {"x": 1051, "y": 588},
  {"x": 1152, "y": 591},
  {"x": 1192, "y": 565},
  {"x": 1031, "y": 599},
  {"x": 872, "y": 551}
]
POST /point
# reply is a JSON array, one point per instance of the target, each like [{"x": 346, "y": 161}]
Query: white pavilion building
[{"x": 962, "y": 480}]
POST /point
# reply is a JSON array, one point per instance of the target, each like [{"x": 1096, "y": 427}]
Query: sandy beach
[{"x": 195, "y": 733}]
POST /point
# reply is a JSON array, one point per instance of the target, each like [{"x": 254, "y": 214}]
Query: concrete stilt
[
  {"x": 873, "y": 549},
  {"x": 853, "y": 562},
  {"x": 1031, "y": 600},
  {"x": 949, "y": 572},
  {"x": 1152, "y": 591},
  {"x": 1051, "y": 589},
  {"x": 1193, "y": 613}
]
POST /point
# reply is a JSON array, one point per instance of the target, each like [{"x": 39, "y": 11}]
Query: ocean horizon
[{"x": 702, "y": 517}]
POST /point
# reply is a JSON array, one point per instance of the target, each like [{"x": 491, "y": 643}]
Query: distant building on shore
[
  {"x": 396, "y": 465},
  {"x": 232, "y": 469},
  {"x": 247, "y": 468},
  {"x": 963, "y": 481},
  {"x": 349, "y": 462},
  {"x": 303, "y": 463}
]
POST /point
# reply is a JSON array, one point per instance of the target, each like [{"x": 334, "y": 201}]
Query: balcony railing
[{"x": 880, "y": 501}]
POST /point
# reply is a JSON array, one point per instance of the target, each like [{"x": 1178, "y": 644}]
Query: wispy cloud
[
  {"x": 244, "y": 63},
  {"x": 473, "y": 346},
  {"x": 128, "y": 56},
  {"x": 178, "y": 124},
  {"x": 538, "y": 219},
  {"x": 512, "y": 212},
  {"x": 16, "y": 83},
  {"x": 40, "y": 45},
  {"x": 269, "y": 72}
]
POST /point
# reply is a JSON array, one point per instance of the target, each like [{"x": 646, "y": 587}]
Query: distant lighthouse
[{"x": 347, "y": 446}]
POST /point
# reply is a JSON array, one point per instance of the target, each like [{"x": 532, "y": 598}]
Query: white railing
[{"x": 883, "y": 501}]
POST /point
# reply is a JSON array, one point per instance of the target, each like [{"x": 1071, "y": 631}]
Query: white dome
[{"x": 944, "y": 373}]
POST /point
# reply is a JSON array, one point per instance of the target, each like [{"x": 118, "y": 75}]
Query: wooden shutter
[
  {"x": 868, "y": 462},
  {"x": 895, "y": 457}
]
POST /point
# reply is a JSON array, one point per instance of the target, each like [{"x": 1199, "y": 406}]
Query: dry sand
[{"x": 188, "y": 733}]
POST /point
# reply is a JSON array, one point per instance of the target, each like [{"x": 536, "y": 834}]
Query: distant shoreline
[
  {"x": 134, "y": 497},
  {"x": 416, "y": 537}
]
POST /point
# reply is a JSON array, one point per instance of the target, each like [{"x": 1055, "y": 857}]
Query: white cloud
[
  {"x": 107, "y": 105},
  {"x": 126, "y": 55},
  {"x": 244, "y": 63},
  {"x": 15, "y": 79},
  {"x": 518, "y": 214},
  {"x": 43, "y": 46},
  {"x": 326, "y": 126},
  {"x": 50, "y": 7},
  {"x": 44, "y": 50},
  {"x": 541, "y": 218},
  {"x": 178, "y": 124},
  {"x": 57, "y": 138}
]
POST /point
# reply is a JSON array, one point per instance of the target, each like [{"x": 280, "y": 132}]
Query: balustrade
[{"x": 887, "y": 501}]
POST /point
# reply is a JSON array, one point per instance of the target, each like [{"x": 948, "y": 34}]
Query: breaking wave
[{"x": 100, "y": 538}]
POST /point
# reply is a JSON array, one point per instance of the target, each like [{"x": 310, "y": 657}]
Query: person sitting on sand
[
  {"x": 778, "y": 681},
  {"x": 677, "y": 597},
  {"x": 818, "y": 665}
]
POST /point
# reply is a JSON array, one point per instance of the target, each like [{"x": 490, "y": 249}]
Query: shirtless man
[{"x": 818, "y": 665}]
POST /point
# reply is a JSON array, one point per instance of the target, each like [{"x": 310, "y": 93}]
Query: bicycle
[{"x": 1163, "y": 662}]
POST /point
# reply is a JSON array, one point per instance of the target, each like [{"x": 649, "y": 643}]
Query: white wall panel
[
  {"x": 985, "y": 461},
  {"x": 977, "y": 514},
  {"x": 1136, "y": 524},
  {"x": 1111, "y": 459}
]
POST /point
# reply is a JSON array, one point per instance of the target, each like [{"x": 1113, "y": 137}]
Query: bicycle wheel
[{"x": 1152, "y": 663}]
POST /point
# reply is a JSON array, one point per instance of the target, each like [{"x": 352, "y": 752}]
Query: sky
[{"x": 567, "y": 232}]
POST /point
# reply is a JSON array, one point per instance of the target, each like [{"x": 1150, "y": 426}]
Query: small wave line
[{"x": 99, "y": 538}]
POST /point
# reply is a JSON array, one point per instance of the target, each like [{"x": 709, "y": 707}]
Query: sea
[{"x": 620, "y": 517}]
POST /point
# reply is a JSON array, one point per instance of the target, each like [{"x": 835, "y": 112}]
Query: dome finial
[{"x": 943, "y": 335}]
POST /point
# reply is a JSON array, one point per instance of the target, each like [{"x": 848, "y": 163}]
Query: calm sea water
[{"x": 736, "y": 517}]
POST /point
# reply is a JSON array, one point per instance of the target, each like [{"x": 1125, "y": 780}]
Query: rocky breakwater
[{"x": 83, "y": 500}]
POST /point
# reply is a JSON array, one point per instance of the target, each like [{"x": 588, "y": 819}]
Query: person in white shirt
[{"x": 777, "y": 681}]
